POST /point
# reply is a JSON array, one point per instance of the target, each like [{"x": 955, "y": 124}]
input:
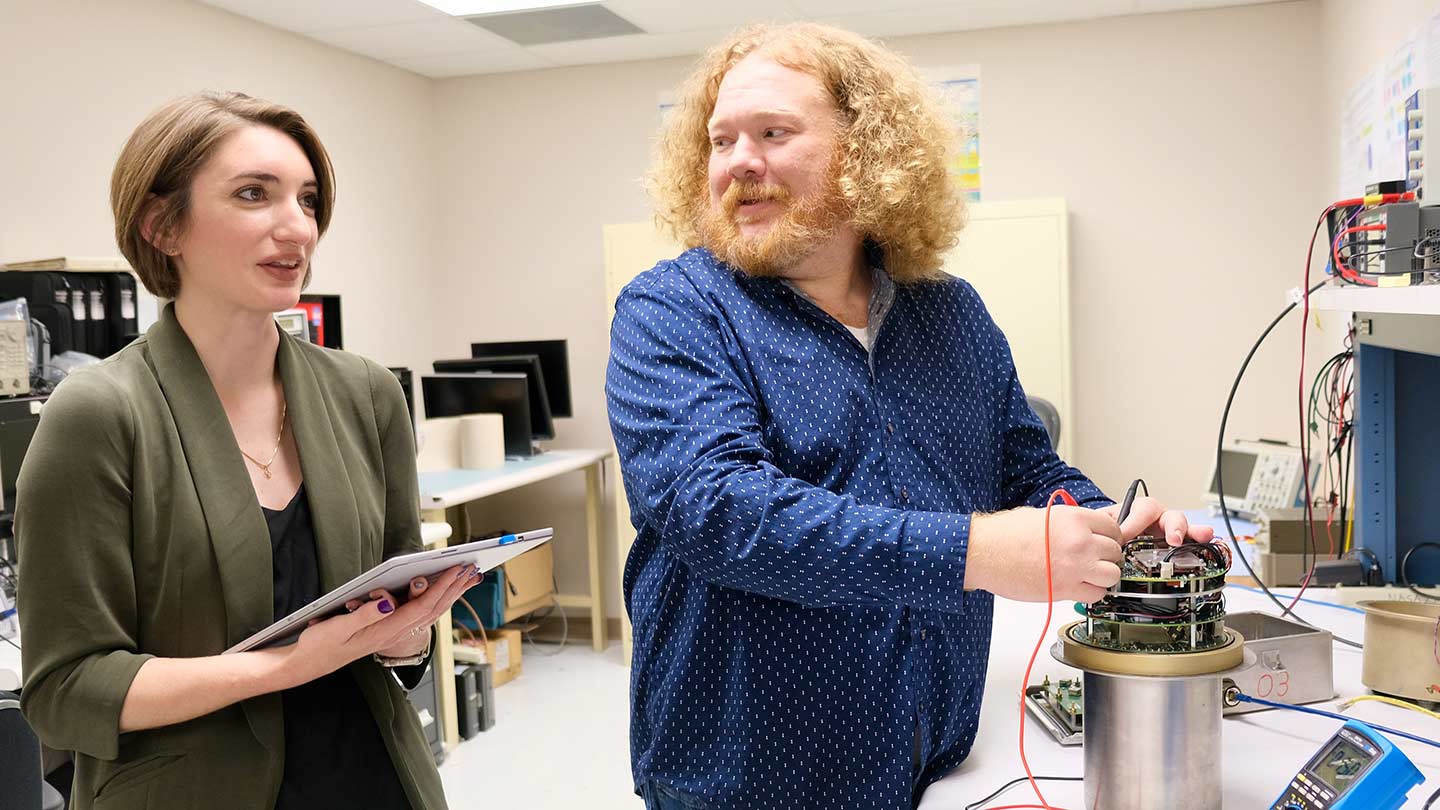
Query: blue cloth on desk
[{"x": 802, "y": 509}]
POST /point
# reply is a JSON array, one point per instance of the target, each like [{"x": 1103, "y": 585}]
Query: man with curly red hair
[{"x": 830, "y": 461}]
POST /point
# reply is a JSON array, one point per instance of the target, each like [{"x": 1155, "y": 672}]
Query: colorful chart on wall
[
  {"x": 959, "y": 89},
  {"x": 1373, "y": 143}
]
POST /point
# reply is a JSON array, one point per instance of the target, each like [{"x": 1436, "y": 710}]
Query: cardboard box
[
  {"x": 529, "y": 582},
  {"x": 1281, "y": 570},
  {"x": 501, "y": 651},
  {"x": 518, "y": 588}
]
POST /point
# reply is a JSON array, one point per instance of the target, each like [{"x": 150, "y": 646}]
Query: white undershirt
[{"x": 861, "y": 333}]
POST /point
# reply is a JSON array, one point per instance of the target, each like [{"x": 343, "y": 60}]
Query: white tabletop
[
  {"x": 440, "y": 489},
  {"x": 1262, "y": 750},
  {"x": 9, "y": 665}
]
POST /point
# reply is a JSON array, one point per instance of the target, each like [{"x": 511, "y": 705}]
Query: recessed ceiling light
[{"x": 470, "y": 8}]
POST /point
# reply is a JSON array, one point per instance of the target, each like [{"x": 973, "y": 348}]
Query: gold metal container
[{"x": 1401, "y": 649}]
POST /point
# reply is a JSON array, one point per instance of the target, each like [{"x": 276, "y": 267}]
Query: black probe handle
[{"x": 1130, "y": 499}]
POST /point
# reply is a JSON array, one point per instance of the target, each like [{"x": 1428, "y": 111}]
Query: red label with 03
[{"x": 1277, "y": 684}]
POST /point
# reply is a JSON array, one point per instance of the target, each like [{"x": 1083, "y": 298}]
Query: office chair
[
  {"x": 1049, "y": 417},
  {"x": 22, "y": 778}
]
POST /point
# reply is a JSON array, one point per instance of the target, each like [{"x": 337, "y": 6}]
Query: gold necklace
[{"x": 265, "y": 465}]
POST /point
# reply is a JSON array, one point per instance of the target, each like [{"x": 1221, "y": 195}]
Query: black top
[{"x": 334, "y": 755}]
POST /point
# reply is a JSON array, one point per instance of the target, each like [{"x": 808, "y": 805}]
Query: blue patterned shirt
[{"x": 803, "y": 508}]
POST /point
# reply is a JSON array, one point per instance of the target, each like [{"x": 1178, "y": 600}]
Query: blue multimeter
[{"x": 1357, "y": 769}]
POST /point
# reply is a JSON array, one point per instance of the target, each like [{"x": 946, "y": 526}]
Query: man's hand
[
  {"x": 1006, "y": 554},
  {"x": 1148, "y": 517}
]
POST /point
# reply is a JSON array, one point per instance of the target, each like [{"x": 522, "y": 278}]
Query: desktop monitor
[
  {"x": 527, "y": 364},
  {"x": 18, "y": 421},
  {"x": 554, "y": 360},
  {"x": 464, "y": 394},
  {"x": 407, "y": 387}
]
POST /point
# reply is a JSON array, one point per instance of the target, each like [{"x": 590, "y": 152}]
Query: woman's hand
[
  {"x": 417, "y": 640},
  {"x": 379, "y": 625}
]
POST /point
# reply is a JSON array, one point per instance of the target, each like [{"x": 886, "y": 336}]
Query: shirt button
[
  {"x": 890, "y": 428},
  {"x": 922, "y": 634},
  {"x": 904, "y": 495}
]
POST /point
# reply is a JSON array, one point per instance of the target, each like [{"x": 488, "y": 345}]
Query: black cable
[
  {"x": 1374, "y": 560},
  {"x": 1332, "y": 381},
  {"x": 1014, "y": 782},
  {"x": 11, "y": 643},
  {"x": 1405, "y": 563},
  {"x": 1367, "y": 254},
  {"x": 1219, "y": 469},
  {"x": 1130, "y": 498},
  {"x": 1431, "y": 801}
]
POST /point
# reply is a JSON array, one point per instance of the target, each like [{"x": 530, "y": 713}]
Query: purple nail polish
[{"x": 385, "y": 606}]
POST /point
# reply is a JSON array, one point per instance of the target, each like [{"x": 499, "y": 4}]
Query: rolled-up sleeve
[{"x": 77, "y": 595}]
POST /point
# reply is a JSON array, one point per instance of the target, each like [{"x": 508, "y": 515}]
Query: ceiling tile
[
  {"x": 969, "y": 14},
  {"x": 1154, "y": 6},
  {"x": 833, "y": 8},
  {"x": 318, "y": 15},
  {"x": 414, "y": 39},
  {"x": 670, "y": 17},
  {"x": 630, "y": 48},
  {"x": 467, "y": 64},
  {"x": 975, "y": 15}
]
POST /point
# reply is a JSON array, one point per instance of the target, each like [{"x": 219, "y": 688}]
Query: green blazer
[{"x": 140, "y": 535}]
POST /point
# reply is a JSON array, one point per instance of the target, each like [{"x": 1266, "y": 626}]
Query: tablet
[{"x": 394, "y": 575}]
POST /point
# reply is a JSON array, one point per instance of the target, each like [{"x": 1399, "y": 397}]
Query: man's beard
[{"x": 799, "y": 229}]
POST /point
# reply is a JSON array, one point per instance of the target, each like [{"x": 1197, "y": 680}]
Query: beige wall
[
  {"x": 1194, "y": 150},
  {"x": 76, "y": 77},
  {"x": 1186, "y": 145}
]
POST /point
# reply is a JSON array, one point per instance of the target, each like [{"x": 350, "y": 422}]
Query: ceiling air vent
[{"x": 542, "y": 26}]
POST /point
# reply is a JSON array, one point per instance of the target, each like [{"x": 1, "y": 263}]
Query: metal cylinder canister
[
  {"x": 1152, "y": 742},
  {"x": 1152, "y": 723}
]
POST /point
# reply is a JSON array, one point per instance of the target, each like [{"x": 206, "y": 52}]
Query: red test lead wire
[{"x": 1044, "y": 634}]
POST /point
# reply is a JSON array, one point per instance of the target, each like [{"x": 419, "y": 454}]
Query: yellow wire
[{"x": 1390, "y": 701}]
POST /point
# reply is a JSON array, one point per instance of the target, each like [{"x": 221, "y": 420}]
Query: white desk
[
  {"x": 10, "y": 665},
  {"x": 441, "y": 489},
  {"x": 1262, "y": 750}
]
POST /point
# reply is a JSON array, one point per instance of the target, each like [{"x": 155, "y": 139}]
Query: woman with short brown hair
[{"x": 210, "y": 478}]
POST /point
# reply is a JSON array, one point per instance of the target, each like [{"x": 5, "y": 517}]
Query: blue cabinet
[{"x": 1397, "y": 433}]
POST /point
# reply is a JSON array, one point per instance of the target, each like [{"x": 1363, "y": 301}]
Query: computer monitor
[
  {"x": 464, "y": 394},
  {"x": 529, "y": 365},
  {"x": 18, "y": 420},
  {"x": 554, "y": 360},
  {"x": 407, "y": 387}
]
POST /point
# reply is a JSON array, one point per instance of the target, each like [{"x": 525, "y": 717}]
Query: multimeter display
[
  {"x": 1342, "y": 763},
  {"x": 1357, "y": 768}
]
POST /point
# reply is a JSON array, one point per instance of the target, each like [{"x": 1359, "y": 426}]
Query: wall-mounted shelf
[{"x": 1423, "y": 300}]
